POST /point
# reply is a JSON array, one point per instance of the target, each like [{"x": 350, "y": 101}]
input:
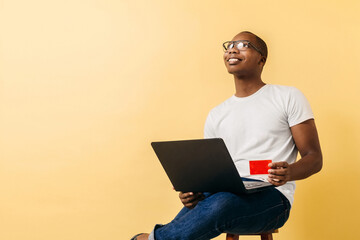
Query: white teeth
[{"x": 232, "y": 60}]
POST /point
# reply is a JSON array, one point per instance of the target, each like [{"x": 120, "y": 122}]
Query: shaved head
[{"x": 259, "y": 43}]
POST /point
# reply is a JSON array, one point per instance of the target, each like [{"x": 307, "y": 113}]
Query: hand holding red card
[{"x": 279, "y": 173}]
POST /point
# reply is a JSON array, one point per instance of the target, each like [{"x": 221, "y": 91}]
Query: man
[{"x": 260, "y": 121}]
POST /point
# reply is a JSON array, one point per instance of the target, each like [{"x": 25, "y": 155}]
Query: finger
[
  {"x": 193, "y": 195},
  {"x": 192, "y": 204},
  {"x": 276, "y": 182},
  {"x": 279, "y": 172},
  {"x": 276, "y": 165},
  {"x": 277, "y": 177},
  {"x": 188, "y": 199},
  {"x": 186, "y": 195},
  {"x": 195, "y": 198},
  {"x": 189, "y": 205}
]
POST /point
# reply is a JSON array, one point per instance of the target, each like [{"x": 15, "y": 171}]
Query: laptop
[{"x": 203, "y": 165}]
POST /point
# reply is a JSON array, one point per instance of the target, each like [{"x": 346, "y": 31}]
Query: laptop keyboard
[{"x": 250, "y": 185}]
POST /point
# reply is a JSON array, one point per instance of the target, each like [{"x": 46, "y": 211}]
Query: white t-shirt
[{"x": 257, "y": 127}]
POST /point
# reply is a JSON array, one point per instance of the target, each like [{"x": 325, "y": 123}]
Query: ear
[{"x": 262, "y": 61}]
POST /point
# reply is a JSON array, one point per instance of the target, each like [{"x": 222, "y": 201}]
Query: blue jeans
[{"x": 227, "y": 212}]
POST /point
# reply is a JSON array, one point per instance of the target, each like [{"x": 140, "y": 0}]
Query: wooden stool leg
[
  {"x": 230, "y": 236},
  {"x": 266, "y": 236}
]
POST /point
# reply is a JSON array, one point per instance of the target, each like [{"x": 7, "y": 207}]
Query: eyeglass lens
[{"x": 239, "y": 45}]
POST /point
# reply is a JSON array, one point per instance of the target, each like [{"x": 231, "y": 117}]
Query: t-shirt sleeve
[
  {"x": 299, "y": 109},
  {"x": 209, "y": 131}
]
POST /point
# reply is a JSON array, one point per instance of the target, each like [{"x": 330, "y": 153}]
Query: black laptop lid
[{"x": 202, "y": 165}]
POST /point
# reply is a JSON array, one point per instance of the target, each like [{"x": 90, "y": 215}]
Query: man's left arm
[{"x": 307, "y": 141}]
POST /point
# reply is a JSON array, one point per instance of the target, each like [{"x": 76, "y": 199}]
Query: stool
[{"x": 264, "y": 236}]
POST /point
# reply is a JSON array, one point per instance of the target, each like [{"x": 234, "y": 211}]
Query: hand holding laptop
[{"x": 190, "y": 199}]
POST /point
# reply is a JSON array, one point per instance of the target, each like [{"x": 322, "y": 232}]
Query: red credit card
[{"x": 259, "y": 166}]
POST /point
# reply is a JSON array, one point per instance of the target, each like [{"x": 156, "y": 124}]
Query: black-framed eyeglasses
[{"x": 242, "y": 45}]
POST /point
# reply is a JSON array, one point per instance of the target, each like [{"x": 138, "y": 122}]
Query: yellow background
[{"x": 86, "y": 85}]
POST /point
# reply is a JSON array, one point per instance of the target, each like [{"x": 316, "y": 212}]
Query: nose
[{"x": 232, "y": 50}]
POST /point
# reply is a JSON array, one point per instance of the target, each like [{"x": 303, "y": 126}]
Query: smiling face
[{"x": 246, "y": 62}]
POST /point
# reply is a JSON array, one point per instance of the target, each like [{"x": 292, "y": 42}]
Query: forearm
[
  {"x": 307, "y": 142},
  {"x": 282, "y": 172},
  {"x": 306, "y": 166}
]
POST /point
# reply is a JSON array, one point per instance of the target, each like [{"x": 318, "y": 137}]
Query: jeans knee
[{"x": 220, "y": 203}]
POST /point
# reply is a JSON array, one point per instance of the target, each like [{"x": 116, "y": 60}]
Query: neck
[{"x": 247, "y": 86}]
